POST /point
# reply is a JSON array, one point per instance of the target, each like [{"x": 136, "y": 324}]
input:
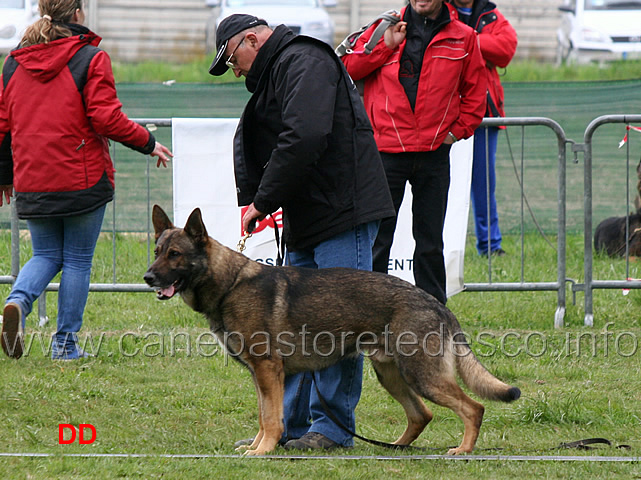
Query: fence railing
[
  {"x": 557, "y": 284},
  {"x": 589, "y": 282}
]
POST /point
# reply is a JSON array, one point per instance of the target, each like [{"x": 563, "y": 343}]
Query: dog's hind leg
[
  {"x": 270, "y": 386},
  {"x": 418, "y": 415},
  {"x": 444, "y": 391}
]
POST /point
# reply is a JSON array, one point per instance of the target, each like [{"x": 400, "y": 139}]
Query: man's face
[
  {"x": 427, "y": 8},
  {"x": 241, "y": 53}
]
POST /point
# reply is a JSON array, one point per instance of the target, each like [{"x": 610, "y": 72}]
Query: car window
[
  {"x": 249, "y": 3},
  {"x": 613, "y": 4},
  {"x": 11, "y": 3}
]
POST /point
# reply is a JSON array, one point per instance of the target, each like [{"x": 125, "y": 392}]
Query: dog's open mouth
[{"x": 167, "y": 292}]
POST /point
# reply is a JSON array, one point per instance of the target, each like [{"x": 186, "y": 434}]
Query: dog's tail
[{"x": 478, "y": 378}]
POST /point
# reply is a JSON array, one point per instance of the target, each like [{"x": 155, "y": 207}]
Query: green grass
[
  {"x": 160, "y": 386},
  {"x": 196, "y": 71}
]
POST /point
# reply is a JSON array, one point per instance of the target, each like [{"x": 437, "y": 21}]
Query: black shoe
[
  {"x": 244, "y": 442},
  {"x": 312, "y": 441},
  {"x": 499, "y": 252},
  {"x": 248, "y": 441}
]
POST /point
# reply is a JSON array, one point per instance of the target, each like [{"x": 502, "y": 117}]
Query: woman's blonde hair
[{"x": 54, "y": 14}]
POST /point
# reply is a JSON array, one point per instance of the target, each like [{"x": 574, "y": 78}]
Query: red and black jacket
[
  {"x": 58, "y": 108},
  {"x": 451, "y": 92},
  {"x": 498, "y": 41}
]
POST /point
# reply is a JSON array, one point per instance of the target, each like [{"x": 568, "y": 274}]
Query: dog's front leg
[
  {"x": 259, "y": 435},
  {"x": 270, "y": 385}
]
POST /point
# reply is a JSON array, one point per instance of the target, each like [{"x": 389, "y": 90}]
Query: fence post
[{"x": 590, "y": 283}]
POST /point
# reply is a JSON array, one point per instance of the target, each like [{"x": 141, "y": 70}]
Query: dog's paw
[
  {"x": 457, "y": 451},
  {"x": 254, "y": 453}
]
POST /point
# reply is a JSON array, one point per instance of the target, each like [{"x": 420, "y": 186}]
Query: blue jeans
[
  {"x": 341, "y": 383},
  {"x": 486, "y": 220},
  {"x": 67, "y": 244}
]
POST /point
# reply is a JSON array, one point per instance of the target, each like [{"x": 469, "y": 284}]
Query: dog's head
[{"x": 178, "y": 253}]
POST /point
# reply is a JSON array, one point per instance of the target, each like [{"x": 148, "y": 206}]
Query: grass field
[{"x": 160, "y": 385}]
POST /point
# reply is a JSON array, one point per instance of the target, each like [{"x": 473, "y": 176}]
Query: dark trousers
[{"x": 429, "y": 175}]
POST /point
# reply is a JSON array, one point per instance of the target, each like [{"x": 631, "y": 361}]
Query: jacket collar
[
  {"x": 267, "y": 54},
  {"x": 478, "y": 8}
]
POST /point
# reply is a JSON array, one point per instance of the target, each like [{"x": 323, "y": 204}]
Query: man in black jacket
[{"x": 304, "y": 144}]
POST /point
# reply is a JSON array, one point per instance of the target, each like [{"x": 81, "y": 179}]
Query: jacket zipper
[{"x": 84, "y": 163}]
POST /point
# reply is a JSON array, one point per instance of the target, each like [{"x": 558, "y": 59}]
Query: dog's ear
[
  {"x": 195, "y": 227},
  {"x": 160, "y": 220}
]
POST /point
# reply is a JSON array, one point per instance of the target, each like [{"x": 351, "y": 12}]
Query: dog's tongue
[{"x": 168, "y": 292}]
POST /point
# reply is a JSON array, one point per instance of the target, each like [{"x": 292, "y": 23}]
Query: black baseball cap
[{"x": 229, "y": 27}]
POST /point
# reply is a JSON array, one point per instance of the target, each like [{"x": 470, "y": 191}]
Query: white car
[
  {"x": 599, "y": 30},
  {"x": 15, "y": 17},
  {"x": 305, "y": 17}
]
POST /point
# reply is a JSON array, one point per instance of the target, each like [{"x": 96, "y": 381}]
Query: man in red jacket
[
  {"x": 425, "y": 88},
  {"x": 498, "y": 44}
]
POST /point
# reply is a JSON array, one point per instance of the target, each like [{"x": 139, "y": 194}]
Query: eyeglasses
[{"x": 229, "y": 63}]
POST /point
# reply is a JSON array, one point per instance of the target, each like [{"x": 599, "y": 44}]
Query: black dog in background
[{"x": 610, "y": 234}]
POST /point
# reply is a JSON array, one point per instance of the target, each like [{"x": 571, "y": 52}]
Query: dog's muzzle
[{"x": 163, "y": 293}]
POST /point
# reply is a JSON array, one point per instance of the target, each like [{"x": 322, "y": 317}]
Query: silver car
[
  {"x": 305, "y": 17},
  {"x": 15, "y": 17},
  {"x": 599, "y": 30}
]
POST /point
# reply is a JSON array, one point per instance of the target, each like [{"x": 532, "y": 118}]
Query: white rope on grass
[{"x": 524, "y": 458}]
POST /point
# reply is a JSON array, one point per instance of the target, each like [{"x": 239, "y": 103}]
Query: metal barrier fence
[
  {"x": 558, "y": 285},
  {"x": 589, "y": 283}
]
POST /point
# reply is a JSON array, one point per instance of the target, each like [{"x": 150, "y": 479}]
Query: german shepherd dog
[
  {"x": 282, "y": 320},
  {"x": 610, "y": 235}
]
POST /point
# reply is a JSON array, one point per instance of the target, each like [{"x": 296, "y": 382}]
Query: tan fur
[{"x": 261, "y": 313}]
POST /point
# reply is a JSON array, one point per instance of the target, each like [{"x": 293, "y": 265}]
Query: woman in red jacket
[{"x": 58, "y": 108}]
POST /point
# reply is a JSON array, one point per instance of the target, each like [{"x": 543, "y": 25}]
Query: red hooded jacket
[
  {"x": 498, "y": 41},
  {"x": 451, "y": 94},
  {"x": 59, "y": 106}
]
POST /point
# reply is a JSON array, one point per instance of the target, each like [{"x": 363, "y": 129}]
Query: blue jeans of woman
[
  {"x": 64, "y": 244},
  {"x": 340, "y": 384},
  {"x": 486, "y": 217}
]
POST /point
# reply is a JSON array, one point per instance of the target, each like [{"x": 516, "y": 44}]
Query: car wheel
[{"x": 562, "y": 54}]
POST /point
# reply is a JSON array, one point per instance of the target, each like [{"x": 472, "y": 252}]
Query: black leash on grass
[
  {"x": 579, "y": 444},
  {"x": 336, "y": 420}
]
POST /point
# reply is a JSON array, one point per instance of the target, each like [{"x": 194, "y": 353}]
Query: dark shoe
[
  {"x": 12, "y": 337},
  {"x": 312, "y": 441},
  {"x": 499, "y": 252},
  {"x": 244, "y": 443},
  {"x": 248, "y": 441}
]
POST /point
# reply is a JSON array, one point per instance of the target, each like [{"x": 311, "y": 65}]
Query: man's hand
[
  {"x": 250, "y": 217},
  {"x": 6, "y": 192},
  {"x": 395, "y": 34},
  {"x": 162, "y": 153}
]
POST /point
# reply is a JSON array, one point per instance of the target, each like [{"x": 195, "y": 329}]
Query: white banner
[{"x": 203, "y": 177}]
